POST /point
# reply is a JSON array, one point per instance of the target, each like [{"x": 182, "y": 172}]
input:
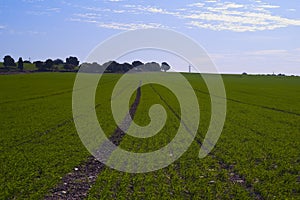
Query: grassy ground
[
  {"x": 27, "y": 67},
  {"x": 260, "y": 140}
]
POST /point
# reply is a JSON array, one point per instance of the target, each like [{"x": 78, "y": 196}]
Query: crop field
[{"x": 256, "y": 157}]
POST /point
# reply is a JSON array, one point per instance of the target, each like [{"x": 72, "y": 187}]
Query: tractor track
[
  {"x": 39, "y": 134},
  {"x": 49, "y": 95},
  {"x": 251, "y": 104},
  {"x": 246, "y": 103},
  {"x": 76, "y": 184},
  {"x": 235, "y": 177}
]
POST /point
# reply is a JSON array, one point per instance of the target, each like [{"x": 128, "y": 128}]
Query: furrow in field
[
  {"x": 49, "y": 95},
  {"x": 76, "y": 184},
  {"x": 26, "y": 140},
  {"x": 38, "y": 97},
  {"x": 252, "y": 104},
  {"x": 38, "y": 135},
  {"x": 235, "y": 177}
]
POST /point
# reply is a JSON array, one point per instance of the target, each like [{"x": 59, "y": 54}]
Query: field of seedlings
[{"x": 256, "y": 157}]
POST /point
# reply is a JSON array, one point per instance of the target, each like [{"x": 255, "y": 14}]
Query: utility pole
[{"x": 190, "y": 68}]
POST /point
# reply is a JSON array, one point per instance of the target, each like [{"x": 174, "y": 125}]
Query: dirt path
[{"x": 76, "y": 184}]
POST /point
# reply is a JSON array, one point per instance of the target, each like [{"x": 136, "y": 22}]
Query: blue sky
[{"x": 255, "y": 36}]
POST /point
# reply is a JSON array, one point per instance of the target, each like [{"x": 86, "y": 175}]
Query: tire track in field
[
  {"x": 55, "y": 127},
  {"x": 76, "y": 184},
  {"x": 235, "y": 177},
  {"x": 49, "y": 95},
  {"x": 250, "y": 104},
  {"x": 246, "y": 103},
  {"x": 38, "y": 97}
]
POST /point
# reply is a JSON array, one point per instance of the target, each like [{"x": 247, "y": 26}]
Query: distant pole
[{"x": 190, "y": 69}]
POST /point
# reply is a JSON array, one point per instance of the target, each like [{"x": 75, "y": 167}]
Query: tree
[
  {"x": 151, "y": 66},
  {"x": 48, "y": 64},
  {"x": 136, "y": 64},
  {"x": 112, "y": 66},
  {"x": 165, "y": 66},
  {"x": 71, "y": 63},
  {"x": 20, "y": 64},
  {"x": 58, "y": 62},
  {"x": 126, "y": 67},
  {"x": 8, "y": 61},
  {"x": 69, "y": 67},
  {"x": 40, "y": 65},
  {"x": 92, "y": 67}
]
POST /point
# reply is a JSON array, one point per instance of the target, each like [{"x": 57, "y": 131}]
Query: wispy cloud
[
  {"x": 215, "y": 15},
  {"x": 53, "y": 10},
  {"x": 268, "y": 52},
  {"x": 238, "y": 17},
  {"x": 88, "y": 15},
  {"x": 119, "y": 26},
  {"x": 32, "y": 1},
  {"x": 268, "y": 6},
  {"x": 199, "y": 5},
  {"x": 44, "y": 11},
  {"x": 129, "y": 26}
]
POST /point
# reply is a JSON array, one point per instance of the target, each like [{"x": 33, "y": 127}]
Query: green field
[{"x": 257, "y": 155}]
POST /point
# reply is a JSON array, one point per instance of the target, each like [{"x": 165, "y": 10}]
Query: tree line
[
  {"x": 48, "y": 65},
  {"x": 135, "y": 66},
  {"x": 72, "y": 64}
]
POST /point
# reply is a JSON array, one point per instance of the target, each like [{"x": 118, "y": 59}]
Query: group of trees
[
  {"x": 52, "y": 65},
  {"x": 8, "y": 61},
  {"x": 280, "y": 74},
  {"x": 137, "y": 66},
  {"x": 72, "y": 62},
  {"x": 48, "y": 65}
]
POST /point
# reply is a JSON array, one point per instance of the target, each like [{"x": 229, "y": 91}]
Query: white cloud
[
  {"x": 53, "y": 10},
  {"x": 45, "y": 11},
  {"x": 37, "y": 13},
  {"x": 228, "y": 5},
  {"x": 129, "y": 26},
  {"x": 118, "y": 25},
  {"x": 200, "y": 5},
  {"x": 231, "y": 26},
  {"x": 2, "y": 27},
  {"x": 118, "y": 11},
  {"x": 83, "y": 20},
  {"x": 98, "y": 9},
  {"x": 268, "y": 6},
  {"x": 88, "y": 15},
  {"x": 269, "y": 52},
  {"x": 152, "y": 9},
  {"x": 219, "y": 15},
  {"x": 297, "y": 49},
  {"x": 237, "y": 17},
  {"x": 32, "y": 1}
]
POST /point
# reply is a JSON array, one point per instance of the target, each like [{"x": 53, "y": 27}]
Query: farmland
[{"x": 256, "y": 157}]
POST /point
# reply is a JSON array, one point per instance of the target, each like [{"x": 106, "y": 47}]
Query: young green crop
[{"x": 260, "y": 140}]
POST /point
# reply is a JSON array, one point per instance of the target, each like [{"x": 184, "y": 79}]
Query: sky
[{"x": 253, "y": 36}]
